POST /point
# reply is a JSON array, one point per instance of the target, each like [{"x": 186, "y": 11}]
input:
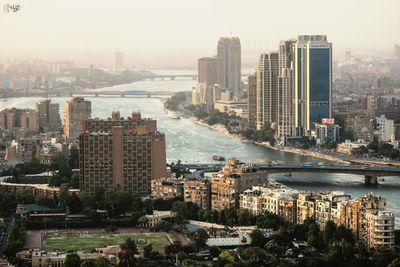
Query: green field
[{"x": 88, "y": 242}]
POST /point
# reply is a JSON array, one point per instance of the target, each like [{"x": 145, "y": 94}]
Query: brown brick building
[{"x": 121, "y": 154}]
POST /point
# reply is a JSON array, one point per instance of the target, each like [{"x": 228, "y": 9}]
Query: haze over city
[{"x": 176, "y": 32}]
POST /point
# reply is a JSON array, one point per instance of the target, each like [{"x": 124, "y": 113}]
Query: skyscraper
[
  {"x": 313, "y": 81},
  {"x": 118, "y": 61},
  {"x": 267, "y": 89},
  {"x": 49, "y": 116},
  {"x": 286, "y": 89},
  {"x": 229, "y": 63},
  {"x": 207, "y": 70},
  {"x": 77, "y": 110},
  {"x": 121, "y": 154},
  {"x": 252, "y": 101}
]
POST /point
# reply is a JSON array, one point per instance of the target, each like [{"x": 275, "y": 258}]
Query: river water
[{"x": 193, "y": 143}]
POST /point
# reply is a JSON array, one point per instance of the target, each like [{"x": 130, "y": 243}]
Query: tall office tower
[
  {"x": 207, "y": 70},
  {"x": 286, "y": 89},
  {"x": 121, "y": 154},
  {"x": 229, "y": 64},
  {"x": 49, "y": 116},
  {"x": 19, "y": 119},
  {"x": 313, "y": 82},
  {"x": 252, "y": 101},
  {"x": 267, "y": 89},
  {"x": 397, "y": 50},
  {"x": 76, "y": 111},
  {"x": 118, "y": 61}
]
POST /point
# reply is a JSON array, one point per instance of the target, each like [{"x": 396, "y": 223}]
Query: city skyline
[{"x": 160, "y": 36}]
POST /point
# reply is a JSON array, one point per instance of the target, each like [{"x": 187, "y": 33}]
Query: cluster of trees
[
  {"x": 265, "y": 134},
  {"x": 227, "y": 216},
  {"x": 379, "y": 149},
  {"x": 16, "y": 241},
  {"x": 175, "y": 102}
]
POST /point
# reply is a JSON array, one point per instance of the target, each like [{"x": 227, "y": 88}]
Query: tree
[
  {"x": 24, "y": 196},
  {"x": 383, "y": 256},
  {"x": 88, "y": 263},
  {"x": 313, "y": 235},
  {"x": 127, "y": 254},
  {"x": 103, "y": 262},
  {"x": 395, "y": 263},
  {"x": 63, "y": 196},
  {"x": 257, "y": 238},
  {"x": 225, "y": 257},
  {"x": 180, "y": 212},
  {"x": 72, "y": 260},
  {"x": 329, "y": 232},
  {"x": 147, "y": 250},
  {"x": 200, "y": 238}
]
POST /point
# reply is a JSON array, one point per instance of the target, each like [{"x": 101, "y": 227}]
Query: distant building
[
  {"x": 118, "y": 62},
  {"x": 327, "y": 129},
  {"x": 207, "y": 70},
  {"x": 49, "y": 116},
  {"x": 121, "y": 154},
  {"x": 347, "y": 146},
  {"x": 76, "y": 111},
  {"x": 19, "y": 119},
  {"x": 252, "y": 101},
  {"x": 306, "y": 207},
  {"x": 386, "y": 130},
  {"x": 397, "y": 50},
  {"x": 229, "y": 64}
]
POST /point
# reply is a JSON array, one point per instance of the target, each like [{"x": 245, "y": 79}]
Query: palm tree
[{"x": 127, "y": 254}]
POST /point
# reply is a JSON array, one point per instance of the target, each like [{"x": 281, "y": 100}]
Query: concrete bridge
[{"x": 371, "y": 174}]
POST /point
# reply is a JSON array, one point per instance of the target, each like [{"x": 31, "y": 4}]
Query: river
[{"x": 193, "y": 143}]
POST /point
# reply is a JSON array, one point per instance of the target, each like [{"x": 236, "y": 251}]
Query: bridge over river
[{"x": 371, "y": 174}]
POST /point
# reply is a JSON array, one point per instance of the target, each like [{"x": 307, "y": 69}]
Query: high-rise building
[
  {"x": 121, "y": 154},
  {"x": 252, "y": 101},
  {"x": 76, "y": 111},
  {"x": 397, "y": 50},
  {"x": 286, "y": 89},
  {"x": 49, "y": 116},
  {"x": 229, "y": 64},
  {"x": 118, "y": 62},
  {"x": 327, "y": 129},
  {"x": 19, "y": 119},
  {"x": 267, "y": 89},
  {"x": 313, "y": 81},
  {"x": 386, "y": 130},
  {"x": 207, "y": 70}
]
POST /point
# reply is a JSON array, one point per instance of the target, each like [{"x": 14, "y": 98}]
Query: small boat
[
  {"x": 381, "y": 179},
  {"x": 173, "y": 115},
  {"x": 218, "y": 158},
  {"x": 247, "y": 141},
  {"x": 288, "y": 174}
]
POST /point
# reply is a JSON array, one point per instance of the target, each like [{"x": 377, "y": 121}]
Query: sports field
[{"x": 88, "y": 242}]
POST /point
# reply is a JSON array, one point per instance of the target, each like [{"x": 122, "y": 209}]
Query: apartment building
[
  {"x": 121, "y": 154},
  {"x": 198, "y": 192},
  {"x": 167, "y": 188}
]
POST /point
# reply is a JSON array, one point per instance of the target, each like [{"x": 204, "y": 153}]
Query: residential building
[
  {"x": 327, "y": 129},
  {"x": 267, "y": 89},
  {"x": 19, "y": 119},
  {"x": 306, "y": 207},
  {"x": 198, "y": 192},
  {"x": 207, "y": 69},
  {"x": 380, "y": 229},
  {"x": 313, "y": 82},
  {"x": 77, "y": 110},
  {"x": 49, "y": 116},
  {"x": 166, "y": 188},
  {"x": 252, "y": 101},
  {"x": 23, "y": 150},
  {"x": 287, "y": 208},
  {"x": 232, "y": 180},
  {"x": 386, "y": 130},
  {"x": 347, "y": 146},
  {"x": 121, "y": 154},
  {"x": 229, "y": 64}
]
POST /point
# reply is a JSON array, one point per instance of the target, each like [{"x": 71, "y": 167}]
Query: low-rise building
[{"x": 167, "y": 188}]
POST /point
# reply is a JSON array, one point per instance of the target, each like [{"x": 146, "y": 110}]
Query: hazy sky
[{"x": 182, "y": 29}]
